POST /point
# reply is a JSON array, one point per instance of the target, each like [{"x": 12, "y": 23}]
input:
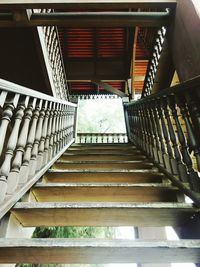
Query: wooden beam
[
  {"x": 79, "y": 4},
  {"x": 185, "y": 40},
  {"x": 165, "y": 70},
  {"x": 133, "y": 63},
  {"x": 94, "y": 251},
  {"x": 103, "y": 214},
  {"x": 110, "y": 89},
  {"x": 93, "y": 19}
]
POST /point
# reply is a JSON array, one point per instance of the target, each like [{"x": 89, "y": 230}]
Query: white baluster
[
  {"x": 42, "y": 139},
  {"x": 11, "y": 145},
  {"x": 47, "y": 141},
  {"x": 13, "y": 177},
  {"x": 38, "y": 133},
  {"x": 24, "y": 171}
]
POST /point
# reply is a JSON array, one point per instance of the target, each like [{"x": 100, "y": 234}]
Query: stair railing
[
  {"x": 166, "y": 126},
  {"x": 35, "y": 129},
  {"x": 51, "y": 47},
  {"x": 154, "y": 62},
  {"x": 101, "y": 138}
]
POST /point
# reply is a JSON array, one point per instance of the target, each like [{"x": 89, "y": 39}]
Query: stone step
[
  {"x": 32, "y": 214},
  {"x": 126, "y": 176},
  {"x": 102, "y": 192},
  {"x": 94, "y": 251}
]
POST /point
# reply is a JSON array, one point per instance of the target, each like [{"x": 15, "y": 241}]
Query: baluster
[
  {"x": 142, "y": 126},
  {"x": 183, "y": 146},
  {"x": 169, "y": 155},
  {"x": 24, "y": 170},
  {"x": 38, "y": 133},
  {"x": 40, "y": 157},
  {"x": 11, "y": 145},
  {"x": 68, "y": 127},
  {"x": 55, "y": 139},
  {"x": 154, "y": 139},
  {"x": 48, "y": 134},
  {"x": 65, "y": 126},
  {"x": 13, "y": 177},
  {"x": 178, "y": 163},
  {"x": 147, "y": 133},
  {"x": 62, "y": 142},
  {"x": 59, "y": 128},
  {"x": 6, "y": 117},
  {"x": 193, "y": 105},
  {"x": 102, "y": 138},
  {"x": 162, "y": 150},
  {"x": 194, "y": 179},
  {"x": 51, "y": 144},
  {"x": 150, "y": 134},
  {"x": 61, "y": 139}
]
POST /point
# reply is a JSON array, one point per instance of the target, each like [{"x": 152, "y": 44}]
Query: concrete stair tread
[{"x": 94, "y": 251}]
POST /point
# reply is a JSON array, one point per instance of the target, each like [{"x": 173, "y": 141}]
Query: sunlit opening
[
  {"x": 171, "y": 235},
  {"x": 101, "y": 116}
]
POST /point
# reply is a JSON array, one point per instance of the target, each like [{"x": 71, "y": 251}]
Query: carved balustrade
[
  {"x": 154, "y": 62},
  {"x": 166, "y": 125},
  {"x": 49, "y": 36},
  {"x": 34, "y": 129},
  {"x": 101, "y": 138}
]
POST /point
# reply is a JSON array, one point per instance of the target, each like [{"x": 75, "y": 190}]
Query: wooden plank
[
  {"x": 104, "y": 21},
  {"x": 138, "y": 176},
  {"x": 105, "y": 165},
  {"x": 102, "y": 192},
  {"x": 103, "y": 146},
  {"x": 77, "y": 4},
  {"x": 104, "y": 152},
  {"x": 103, "y": 214},
  {"x": 93, "y": 157},
  {"x": 94, "y": 251}
]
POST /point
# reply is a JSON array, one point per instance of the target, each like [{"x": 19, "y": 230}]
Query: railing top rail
[
  {"x": 101, "y": 133},
  {"x": 189, "y": 84},
  {"x": 15, "y": 88}
]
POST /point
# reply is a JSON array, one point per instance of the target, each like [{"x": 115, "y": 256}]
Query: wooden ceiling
[
  {"x": 105, "y": 40},
  {"x": 105, "y": 54}
]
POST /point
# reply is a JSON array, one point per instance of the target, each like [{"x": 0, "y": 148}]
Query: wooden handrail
[
  {"x": 166, "y": 126},
  {"x": 154, "y": 62},
  {"x": 34, "y": 128}
]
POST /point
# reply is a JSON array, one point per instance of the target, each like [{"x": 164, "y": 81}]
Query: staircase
[{"x": 102, "y": 185}]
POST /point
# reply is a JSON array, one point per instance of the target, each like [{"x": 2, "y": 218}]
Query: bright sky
[
  {"x": 197, "y": 5},
  {"x": 128, "y": 233}
]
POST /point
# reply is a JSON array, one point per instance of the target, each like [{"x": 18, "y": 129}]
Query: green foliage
[
  {"x": 80, "y": 232},
  {"x": 70, "y": 232},
  {"x": 101, "y": 116}
]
